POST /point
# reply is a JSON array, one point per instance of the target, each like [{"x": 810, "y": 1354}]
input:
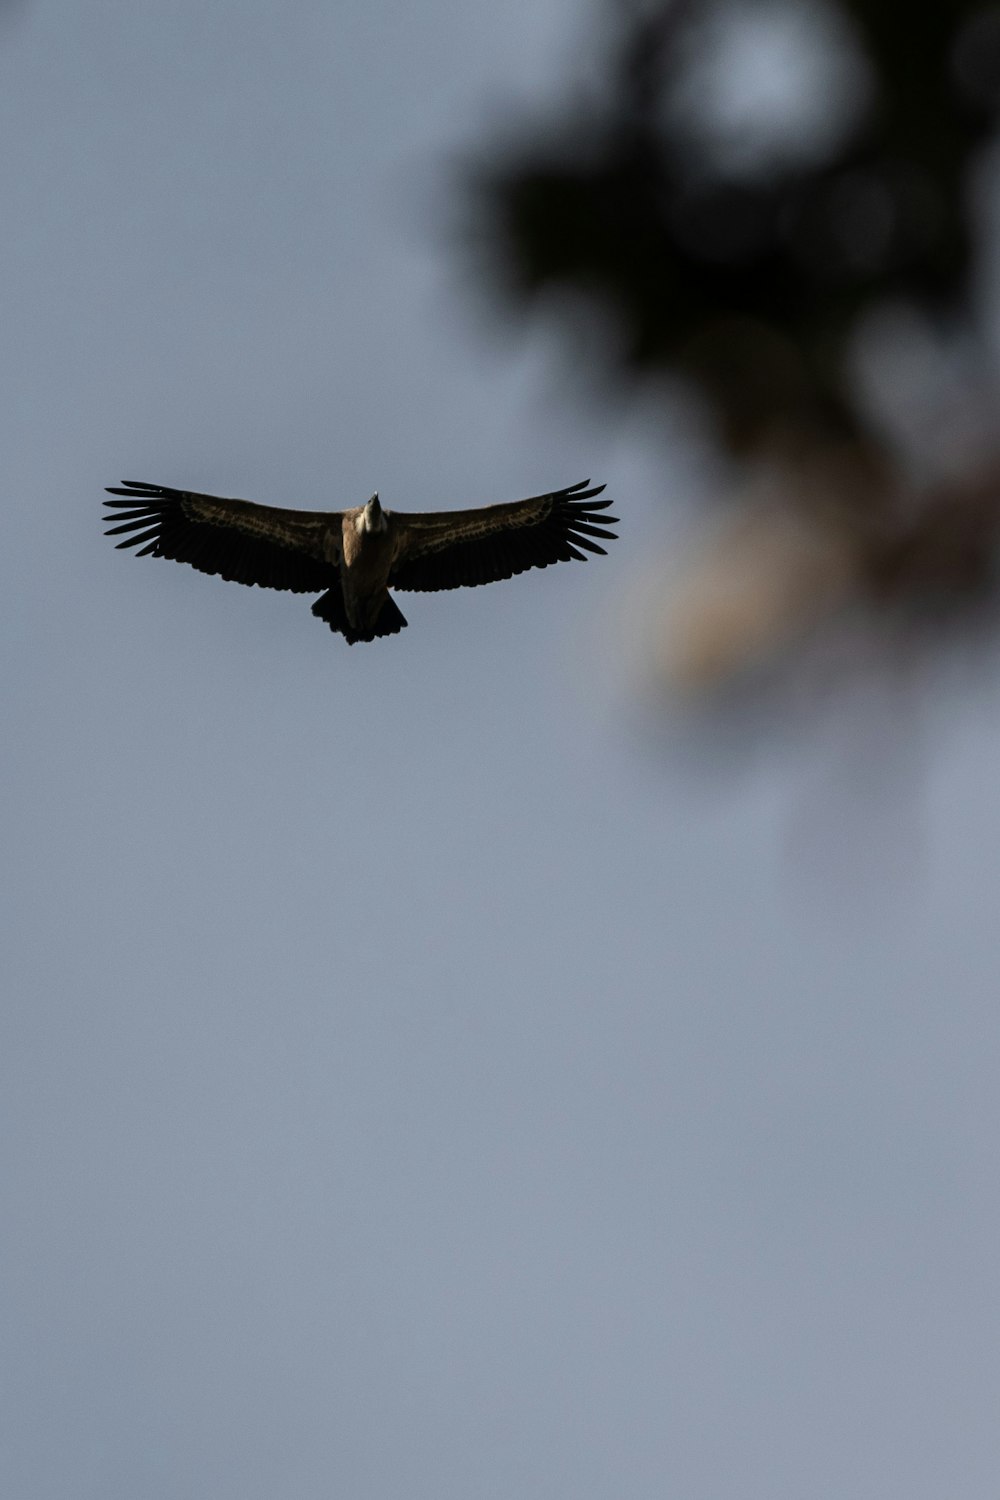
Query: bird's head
[{"x": 374, "y": 516}]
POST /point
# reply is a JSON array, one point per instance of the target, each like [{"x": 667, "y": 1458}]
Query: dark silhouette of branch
[{"x": 752, "y": 262}]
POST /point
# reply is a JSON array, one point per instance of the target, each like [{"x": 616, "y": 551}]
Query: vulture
[{"x": 352, "y": 558}]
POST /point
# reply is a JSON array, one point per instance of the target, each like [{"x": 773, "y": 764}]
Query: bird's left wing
[
  {"x": 240, "y": 541},
  {"x": 449, "y": 549}
]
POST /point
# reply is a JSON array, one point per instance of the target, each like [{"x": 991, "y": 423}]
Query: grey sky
[{"x": 412, "y": 1085}]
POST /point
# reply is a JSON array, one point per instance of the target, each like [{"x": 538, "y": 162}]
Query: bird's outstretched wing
[
  {"x": 449, "y": 549},
  {"x": 246, "y": 543}
]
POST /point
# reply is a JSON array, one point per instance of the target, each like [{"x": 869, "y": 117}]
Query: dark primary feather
[
  {"x": 511, "y": 538},
  {"x": 244, "y": 543}
]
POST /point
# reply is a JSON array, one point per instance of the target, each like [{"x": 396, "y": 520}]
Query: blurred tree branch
[{"x": 744, "y": 216}]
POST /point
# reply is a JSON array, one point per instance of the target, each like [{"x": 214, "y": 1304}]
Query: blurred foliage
[{"x": 764, "y": 197}]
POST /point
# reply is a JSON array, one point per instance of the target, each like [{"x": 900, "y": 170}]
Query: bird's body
[
  {"x": 366, "y": 556},
  {"x": 354, "y": 556}
]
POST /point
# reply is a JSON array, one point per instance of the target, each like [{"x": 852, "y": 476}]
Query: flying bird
[{"x": 353, "y": 557}]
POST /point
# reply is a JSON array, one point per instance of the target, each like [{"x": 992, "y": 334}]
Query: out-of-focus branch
[{"x": 741, "y": 215}]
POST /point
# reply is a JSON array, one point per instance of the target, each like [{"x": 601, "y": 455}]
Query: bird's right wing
[
  {"x": 452, "y": 549},
  {"x": 240, "y": 541}
]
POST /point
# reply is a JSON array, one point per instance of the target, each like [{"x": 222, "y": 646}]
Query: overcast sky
[{"x": 414, "y": 1083}]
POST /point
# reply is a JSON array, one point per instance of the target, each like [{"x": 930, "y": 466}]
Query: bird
[{"x": 353, "y": 557}]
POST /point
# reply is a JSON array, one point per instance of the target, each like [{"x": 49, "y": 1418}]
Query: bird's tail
[{"x": 330, "y": 607}]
